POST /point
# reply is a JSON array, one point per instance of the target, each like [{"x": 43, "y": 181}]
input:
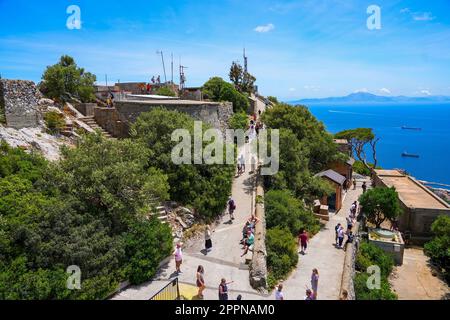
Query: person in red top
[{"x": 303, "y": 241}]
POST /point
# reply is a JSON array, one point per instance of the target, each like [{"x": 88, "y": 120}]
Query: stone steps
[{"x": 90, "y": 121}]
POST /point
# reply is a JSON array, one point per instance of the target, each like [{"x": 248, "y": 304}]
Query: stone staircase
[
  {"x": 90, "y": 121},
  {"x": 67, "y": 130},
  {"x": 161, "y": 214}
]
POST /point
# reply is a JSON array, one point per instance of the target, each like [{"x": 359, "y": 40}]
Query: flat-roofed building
[{"x": 420, "y": 205}]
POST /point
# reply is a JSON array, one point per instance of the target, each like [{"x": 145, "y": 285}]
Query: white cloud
[
  {"x": 425, "y": 92},
  {"x": 311, "y": 87},
  {"x": 292, "y": 89},
  {"x": 405, "y": 10},
  {"x": 423, "y": 16},
  {"x": 361, "y": 90},
  {"x": 385, "y": 90},
  {"x": 266, "y": 28}
]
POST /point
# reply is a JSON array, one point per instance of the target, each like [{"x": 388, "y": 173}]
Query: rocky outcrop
[{"x": 19, "y": 101}]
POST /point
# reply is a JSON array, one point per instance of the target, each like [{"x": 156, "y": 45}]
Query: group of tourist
[
  {"x": 340, "y": 233},
  {"x": 200, "y": 282},
  {"x": 248, "y": 234},
  {"x": 310, "y": 293}
]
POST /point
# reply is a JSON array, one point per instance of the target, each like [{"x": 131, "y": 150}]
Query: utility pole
[
  {"x": 171, "y": 67},
  {"x": 106, "y": 80},
  {"x": 164, "y": 67}
]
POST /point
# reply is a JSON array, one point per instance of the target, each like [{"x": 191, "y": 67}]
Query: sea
[{"x": 431, "y": 143}]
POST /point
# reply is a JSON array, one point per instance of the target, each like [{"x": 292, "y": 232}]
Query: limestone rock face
[{"x": 19, "y": 100}]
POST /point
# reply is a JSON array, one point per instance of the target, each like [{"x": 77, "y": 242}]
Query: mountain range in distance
[{"x": 366, "y": 98}]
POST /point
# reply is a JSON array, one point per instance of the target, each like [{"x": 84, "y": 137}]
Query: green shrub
[
  {"x": 54, "y": 121},
  {"x": 282, "y": 255},
  {"x": 166, "y": 91},
  {"x": 239, "y": 121},
  {"x": 148, "y": 242},
  {"x": 438, "y": 249},
  {"x": 284, "y": 210},
  {"x": 369, "y": 254},
  {"x": 364, "y": 293},
  {"x": 218, "y": 89}
]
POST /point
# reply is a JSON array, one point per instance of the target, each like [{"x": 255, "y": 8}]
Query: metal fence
[{"x": 170, "y": 292}]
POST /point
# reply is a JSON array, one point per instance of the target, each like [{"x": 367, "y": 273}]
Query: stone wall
[
  {"x": 111, "y": 121},
  {"x": 258, "y": 267},
  {"x": 87, "y": 109},
  {"x": 348, "y": 273},
  {"x": 19, "y": 101},
  {"x": 215, "y": 114}
]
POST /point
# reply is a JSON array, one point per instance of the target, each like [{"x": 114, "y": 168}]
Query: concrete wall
[
  {"x": 111, "y": 121},
  {"x": 217, "y": 114},
  {"x": 86, "y": 109},
  {"x": 19, "y": 100}
]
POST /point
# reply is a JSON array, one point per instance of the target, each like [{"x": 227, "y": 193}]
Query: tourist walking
[
  {"x": 341, "y": 234},
  {"x": 303, "y": 241},
  {"x": 315, "y": 282},
  {"x": 242, "y": 162},
  {"x": 344, "y": 295},
  {"x": 200, "y": 281},
  {"x": 208, "y": 242},
  {"x": 336, "y": 229},
  {"x": 354, "y": 183},
  {"x": 223, "y": 289},
  {"x": 231, "y": 208},
  {"x": 364, "y": 187},
  {"x": 279, "y": 293},
  {"x": 178, "y": 257}
]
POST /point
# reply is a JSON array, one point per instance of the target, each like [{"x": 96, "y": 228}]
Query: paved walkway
[
  {"x": 323, "y": 255},
  {"x": 414, "y": 279},
  {"x": 224, "y": 261}
]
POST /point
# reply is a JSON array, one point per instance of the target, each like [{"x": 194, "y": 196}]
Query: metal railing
[{"x": 170, "y": 292}]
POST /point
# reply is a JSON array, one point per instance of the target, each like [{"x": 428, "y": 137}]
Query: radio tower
[{"x": 245, "y": 62}]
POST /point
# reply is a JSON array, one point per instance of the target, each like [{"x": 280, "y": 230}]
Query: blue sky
[{"x": 296, "y": 49}]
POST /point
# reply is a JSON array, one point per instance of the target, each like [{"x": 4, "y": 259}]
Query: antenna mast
[
  {"x": 164, "y": 66},
  {"x": 245, "y": 62}
]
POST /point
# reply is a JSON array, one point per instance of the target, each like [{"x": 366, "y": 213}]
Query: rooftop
[
  {"x": 333, "y": 176},
  {"x": 411, "y": 192},
  {"x": 176, "y": 102},
  {"x": 340, "y": 141}
]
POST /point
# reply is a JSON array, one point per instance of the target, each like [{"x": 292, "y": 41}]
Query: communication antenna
[
  {"x": 245, "y": 62},
  {"x": 164, "y": 66},
  {"x": 182, "y": 77}
]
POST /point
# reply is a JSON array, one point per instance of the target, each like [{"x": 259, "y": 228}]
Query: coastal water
[{"x": 432, "y": 143}]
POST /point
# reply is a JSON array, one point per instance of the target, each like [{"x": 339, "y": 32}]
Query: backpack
[{"x": 232, "y": 204}]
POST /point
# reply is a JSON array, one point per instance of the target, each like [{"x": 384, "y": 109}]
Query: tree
[
  {"x": 242, "y": 80},
  {"x": 380, "y": 204},
  {"x": 65, "y": 81},
  {"x": 217, "y": 89},
  {"x": 318, "y": 145},
  {"x": 359, "y": 138},
  {"x": 205, "y": 187},
  {"x": 284, "y": 210},
  {"x": 438, "y": 249},
  {"x": 239, "y": 121}
]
